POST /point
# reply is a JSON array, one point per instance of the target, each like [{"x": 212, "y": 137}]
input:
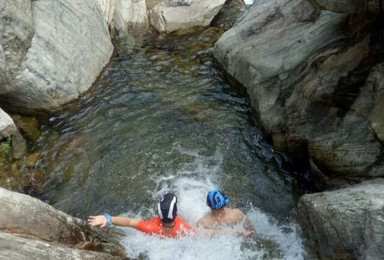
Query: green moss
[{"x": 5, "y": 148}]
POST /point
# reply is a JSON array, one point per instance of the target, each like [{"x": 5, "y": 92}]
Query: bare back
[{"x": 229, "y": 217}]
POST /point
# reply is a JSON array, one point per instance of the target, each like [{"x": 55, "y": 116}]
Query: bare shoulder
[
  {"x": 236, "y": 214},
  {"x": 203, "y": 222}
]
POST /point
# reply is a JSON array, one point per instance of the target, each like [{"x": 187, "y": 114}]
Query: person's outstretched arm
[{"x": 102, "y": 221}]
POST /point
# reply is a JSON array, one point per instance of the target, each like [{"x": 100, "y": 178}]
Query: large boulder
[
  {"x": 346, "y": 223},
  {"x": 166, "y": 18},
  {"x": 25, "y": 216},
  {"x": 69, "y": 48},
  {"x": 296, "y": 62},
  {"x": 348, "y": 6}
]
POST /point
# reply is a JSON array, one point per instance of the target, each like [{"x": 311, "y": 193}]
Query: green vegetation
[{"x": 5, "y": 147}]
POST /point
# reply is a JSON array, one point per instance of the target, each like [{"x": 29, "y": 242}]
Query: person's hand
[{"x": 98, "y": 221}]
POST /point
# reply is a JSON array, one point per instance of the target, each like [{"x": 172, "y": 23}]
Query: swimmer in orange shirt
[{"x": 166, "y": 224}]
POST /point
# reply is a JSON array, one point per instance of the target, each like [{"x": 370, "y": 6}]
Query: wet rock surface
[
  {"x": 25, "y": 216},
  {"x": 21, "y": 248},
  {"x": 346, "y": 223},
  {"x": 293, "y": 60},
  {"x": 29, "y": 126}
]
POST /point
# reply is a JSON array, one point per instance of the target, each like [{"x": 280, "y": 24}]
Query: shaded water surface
[{"x": 162, "y": 118}]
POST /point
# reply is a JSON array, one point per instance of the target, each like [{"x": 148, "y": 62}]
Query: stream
[{"x": 162, "y": 118}]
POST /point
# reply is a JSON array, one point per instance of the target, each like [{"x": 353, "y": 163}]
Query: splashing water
[{"x": 191, "y": 183}]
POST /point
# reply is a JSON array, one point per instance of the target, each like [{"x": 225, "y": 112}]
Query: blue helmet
[{"x": 216, "y": 199}]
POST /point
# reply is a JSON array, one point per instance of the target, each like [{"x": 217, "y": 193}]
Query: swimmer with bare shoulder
[{"x": 221, "y": 215}]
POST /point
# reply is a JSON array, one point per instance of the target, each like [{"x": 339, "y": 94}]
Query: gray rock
[
  {"x": 7, "y": 126},
  {"x": 346, "y": 223},
  {"x": 70, "y": 46},
  {"x": 167, "y": 19},
  {"x": 107, "y": 8},
  {"x": 178, "y": 2},
  {"x": 152, "y": 3},
  {"x": 348, "y": 6},
  {"x": 131, "y": 17},
  {"x": 291, "y": 57},
  {"x": 370, "y": 102},
  {"x": 26, "y": 216},
  {"x": 229, "y": 15},
  {"x": 15, "y": 38},
  {"x": 19, "y": 248},
  {"x": 19, "y": 146}
]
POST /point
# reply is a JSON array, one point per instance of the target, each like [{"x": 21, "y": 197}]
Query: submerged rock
[
  {"x": 165, "y": 18},
  {"x": 19, "y": 146},
  {"x": 29, "y": 126},
  {"x": 346, "y": 223},
  {"x": 22, "y": 215}
]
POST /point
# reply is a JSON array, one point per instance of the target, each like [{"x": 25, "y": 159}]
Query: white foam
[
  {"x": 191, "y": 183},
  {"x": 248, "y": 2}
]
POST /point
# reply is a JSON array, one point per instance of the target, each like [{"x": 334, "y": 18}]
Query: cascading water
[{"x": 161, "y": 118}]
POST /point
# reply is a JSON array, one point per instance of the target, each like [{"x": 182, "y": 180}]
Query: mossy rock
[{"x": 29, "y": 126}]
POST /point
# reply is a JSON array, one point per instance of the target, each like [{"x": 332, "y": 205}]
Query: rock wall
[
  {"x": 30, "y": 218},
  {"x": 296, "y": 62},
  {"x": 347, "y": 223}
]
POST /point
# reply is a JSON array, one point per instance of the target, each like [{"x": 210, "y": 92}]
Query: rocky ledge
[
  {"x": 346, "y": 223},
  {"x": 31, "y": 229}
]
